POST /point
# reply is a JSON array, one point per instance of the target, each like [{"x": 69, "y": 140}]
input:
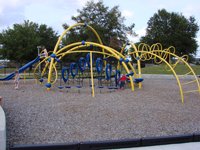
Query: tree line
[{"x": 168, "y": 28}]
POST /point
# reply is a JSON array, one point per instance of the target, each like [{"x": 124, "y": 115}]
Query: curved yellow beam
[
  {"x": 182, "y": 59},
  {"x": 83, "y": 51},
  {"x": 71, "y": 27},
  {"x": 178, "y": 81},
  {"x": 123, "y": 48},
  {"x": 79, "y": 45},
  {"x": 136, "y": 52},
  {"x": 129, "y": 63},
  {"x": 44, "y": 69},
  {"x": 91, "y": 73},
  {"x": 59, "y": 41},
  {"x": 124, "y": 65},
  {"x": 113, "y": 52},
  {"x": 37, "y": 66}
]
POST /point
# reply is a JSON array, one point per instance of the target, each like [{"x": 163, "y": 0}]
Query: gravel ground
[{"x": 37, "y": 116}]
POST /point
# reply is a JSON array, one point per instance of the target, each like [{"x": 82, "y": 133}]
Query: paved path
[
  {"x": 184, "y": 146},
  {"x": 164, "y": 76}
]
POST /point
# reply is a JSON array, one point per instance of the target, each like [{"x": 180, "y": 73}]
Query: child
[
  {"x": 16, "y": 80},
  {"x": 44, "y": 52},
  {"x": 122, "y": 81}
]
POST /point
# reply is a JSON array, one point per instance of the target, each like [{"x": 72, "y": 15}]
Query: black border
[{"x": 114, "y": 144}]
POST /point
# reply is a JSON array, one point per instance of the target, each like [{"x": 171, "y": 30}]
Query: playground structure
[
  {"x": 22, "y": 69},
  {"x": 143, "y": 52},
  {"x": 95, "y": 65},
  {"x": 82, "y": 47},
  {"x": 158, "y": 55}
]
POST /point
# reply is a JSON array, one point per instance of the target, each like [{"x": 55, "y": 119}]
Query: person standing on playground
[
  {"x": 44, "y": 52},
  {"x": 122, "y": 81},
  {"x": 16, "y": 80}
]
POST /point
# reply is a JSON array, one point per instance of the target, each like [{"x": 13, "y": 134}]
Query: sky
[{"x": 54, "y": 13}]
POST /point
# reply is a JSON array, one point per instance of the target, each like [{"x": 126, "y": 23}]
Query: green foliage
[
  {"x": 172, "y": 29},
  {"x": 20, "y": 43},
  {"x": 108, "y": 23}
]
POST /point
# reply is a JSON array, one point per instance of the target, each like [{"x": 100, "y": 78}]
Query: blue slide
[{"x": 10, "y": 76}]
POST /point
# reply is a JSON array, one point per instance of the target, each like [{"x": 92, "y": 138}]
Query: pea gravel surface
[{"x": 37, "y": 116}]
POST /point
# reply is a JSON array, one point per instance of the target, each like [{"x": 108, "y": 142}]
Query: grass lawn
[
  {"x": 162, "y": 69},
  {"x": 149, "y": 69}
]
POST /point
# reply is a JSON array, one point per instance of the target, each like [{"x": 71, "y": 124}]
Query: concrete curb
[
  {"x": 2, "y": 130},
  {"x": 140, "y": 144}
]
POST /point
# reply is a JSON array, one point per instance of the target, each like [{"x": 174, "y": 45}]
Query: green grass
[
  {"x": 152, "y": 69},
  {"x": 162, "y": 69},
  {"x": 7, "y": 70}
]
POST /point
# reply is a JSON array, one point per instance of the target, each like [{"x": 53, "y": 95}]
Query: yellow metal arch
[
  {"x": 108, "y": 50},
  {"x": 136, "y": 56},
  {"x": 45, "y": 69},
  {"x": 178, "y": 81},
  {"x": 64, "y": 33},
  {"x": 145, "y": 52},
  {"x": 71, "y": 27},
  {"x": 170, "y": 52}
]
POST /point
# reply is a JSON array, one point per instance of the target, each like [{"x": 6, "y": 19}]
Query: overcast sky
[{"x": 54, "y": 13}]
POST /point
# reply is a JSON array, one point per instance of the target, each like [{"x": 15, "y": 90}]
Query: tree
[
  {"x": 172, "y": 29},
  {"x": 20, "y": 43},
  {"x": 108, "y": 23}
]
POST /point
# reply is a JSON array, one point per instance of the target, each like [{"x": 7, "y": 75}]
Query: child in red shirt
[{"x": 122, "y": 81}]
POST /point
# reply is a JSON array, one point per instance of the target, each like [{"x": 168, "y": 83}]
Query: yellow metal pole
[
  {"x": 59, "y": 41},
  {"x": 114, "y": 53},
  {"x": 131, "y": 79},
  {"x": 24, "y": 76},
  {"x": 91, "y": 71},
  {"x": 50, "y": 72},
  {"x": 172, "y": 69},
  {"x": 156, "y": 52},
  {"x": 75, "y": 25},
  {"x": 197, "y": 81},
  {"x": 138, "y": 64},
  {"x": 133, "y": 70}
]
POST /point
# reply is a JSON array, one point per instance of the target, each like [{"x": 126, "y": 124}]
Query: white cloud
[
  {"x": 55, "y": 13},
  {"x": 9, "y": 3},
  {"x": 140, "y": 32},
  {"x": 198, "y": 50},
  {"x": 82, "y": 3},
  {"x": 11, "y": 11},
  {"x": 9, "y": 6},
  {"x": 49, "y": 12},
  {"x": 127, "y": 13},
  {"x": 191, "y": 9}
]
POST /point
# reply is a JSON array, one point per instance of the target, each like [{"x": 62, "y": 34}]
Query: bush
[
  {"x": 142, "y": 65},
  {"x": 197, "y": 63}
]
